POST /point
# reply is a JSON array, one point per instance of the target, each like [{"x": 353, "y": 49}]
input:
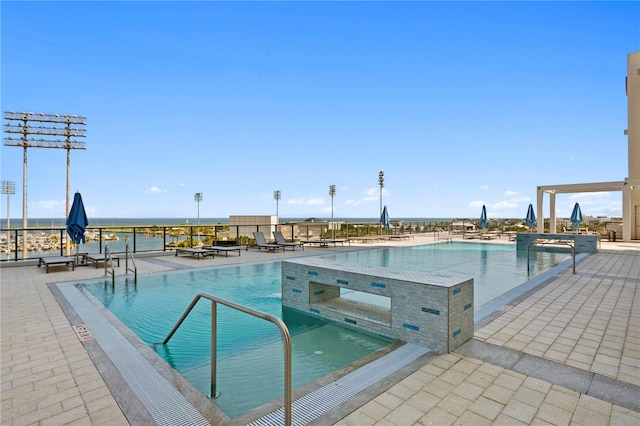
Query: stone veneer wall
[
  {"x": 431, "y": 310},
  {"x": 583, "y": 243}
]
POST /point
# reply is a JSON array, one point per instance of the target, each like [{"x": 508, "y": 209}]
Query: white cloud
[
  {"x": 48, "y": 208},
  {"x": 478, "y": 204},
  {"x": 504, "y": 205},
  {"x": 510, "y": 193},
  {"x": 155, "y": 190},
  {"x": 295, "y": 201},
  {"x": 315, "y": 202},
  {"x": 373, "y": 192},
  {"x": 484, "y": 187}
]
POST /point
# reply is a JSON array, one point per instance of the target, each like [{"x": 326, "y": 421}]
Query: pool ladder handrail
[
  {"x": 286, "y": 337},
  {"x": 537, "y": 243},
  {"x": 108, "y": 265},
  {"x": 110, "y": 270},
  {"x": 128, "y": 254},
  {"x": 446, "y": 235}
]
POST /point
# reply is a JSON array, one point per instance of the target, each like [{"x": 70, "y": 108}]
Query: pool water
[
  {"x": 495, "y": 268},
  {"x": 250, "y": 350}
]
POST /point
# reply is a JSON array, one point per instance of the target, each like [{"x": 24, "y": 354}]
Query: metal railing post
[
  {"x": 213, "y": 393},
  {"x": 573, "y": 252},
  {"x": 286, "y": 337}
]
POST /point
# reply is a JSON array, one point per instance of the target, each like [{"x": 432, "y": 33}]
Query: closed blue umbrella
[
  {"x": 576, "y": 218},
  {"x": 77, "y": 221},
  {"x": 530, "y": 219},
  {"x": 484, "y": 222},
  {"x": 384, "y": 218}
]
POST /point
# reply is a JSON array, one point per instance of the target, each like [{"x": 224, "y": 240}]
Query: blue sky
[{"x": 459, "y": 103}]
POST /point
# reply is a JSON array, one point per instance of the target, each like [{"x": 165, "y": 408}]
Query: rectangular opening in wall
[
  {"x": 372, "y": 299},
  {"x": 354, "y": 307}
]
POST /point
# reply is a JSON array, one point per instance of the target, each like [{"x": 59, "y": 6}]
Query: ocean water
[{"x": 103, "y": 222}]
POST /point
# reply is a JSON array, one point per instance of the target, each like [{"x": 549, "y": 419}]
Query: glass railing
[{"x": 18, "y": 244}]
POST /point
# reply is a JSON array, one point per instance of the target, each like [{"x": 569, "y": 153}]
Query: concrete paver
[{"x": 590, "y": 321}]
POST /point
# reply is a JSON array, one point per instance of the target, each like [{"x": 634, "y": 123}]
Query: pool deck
[{"x": 567, "y": 352}]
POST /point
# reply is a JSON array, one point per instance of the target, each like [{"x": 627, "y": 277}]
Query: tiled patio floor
[{"x": 589, "y": 321}]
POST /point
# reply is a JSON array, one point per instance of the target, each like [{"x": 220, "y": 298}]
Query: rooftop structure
[{"x": 630, "y": 186}]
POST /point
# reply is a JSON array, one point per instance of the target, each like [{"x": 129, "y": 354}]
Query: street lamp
[
  {"x": 332, "y": 192},
  {"x": 198, "y": 197},
  {"x": 277, "y": 195},
  {"x": 381, "y": 183}
]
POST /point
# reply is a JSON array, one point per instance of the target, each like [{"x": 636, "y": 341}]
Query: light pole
[
  {"x": 28, "y": 124},
  {"x": 381, "y": 183},
  {"x": 277, "y": 195},
  {"x": 198, "y": 197},
  {"x": 332, "y": 192},
  {"x": 9, "y": 188}
]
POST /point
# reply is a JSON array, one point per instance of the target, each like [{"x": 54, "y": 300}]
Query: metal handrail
[
  {"x": 436, "y": 235},
  {"x": 128, "y": 254},
  {"x": 286, "y": 337},
  {"x": 555, "y": 242},
  {"x": 108, "y": 265}
]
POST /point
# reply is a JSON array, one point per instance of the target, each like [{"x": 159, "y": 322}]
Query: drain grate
[
  {"x": 321, "y": 401},
  {"x": 163, "y": 402}
]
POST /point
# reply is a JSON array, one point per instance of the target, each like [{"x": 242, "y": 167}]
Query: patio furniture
[
  {"x": 261, "y": 243},
  {"x": 98, "y": 258},
  {"x": 56, "y": 260},
  {"x": 225, "y": 249},
  {"x": 281, "y": 240},
  {"x": 198, "y": 252}
]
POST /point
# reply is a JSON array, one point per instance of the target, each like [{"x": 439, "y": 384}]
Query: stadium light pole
[
  {"x": 332, "y": 192},
  {"x": 381, "y": 183},
  {"x": 9, "y": 188},
  {"x": 198, "y": 197},
  {"x": 54, "y": 131},
  {"x": 277, "y": 195}
]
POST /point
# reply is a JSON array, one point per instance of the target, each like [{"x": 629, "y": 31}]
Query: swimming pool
[
  {"x": 495, "y": 268},
  {"x": 250, "y": 352}
]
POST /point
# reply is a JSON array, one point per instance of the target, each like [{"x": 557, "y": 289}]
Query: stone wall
[
  {"x": 583, "y": 243},
  {"x": 434, "y": 310}
]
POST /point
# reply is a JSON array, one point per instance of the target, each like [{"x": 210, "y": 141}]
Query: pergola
[
  {"x": 630, "y": 186},
  {"x": 626, "y": 186}
]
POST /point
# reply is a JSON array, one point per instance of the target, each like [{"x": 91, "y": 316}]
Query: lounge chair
[
  {"x": 261, "y": 243},
  {"x": 323, "y": 242},
  {"x": 101, "y": 258},
  {"x": 194, "y": 252},
  {"x": 224, "y": 249},
  {"x": 57, "y": 260},
  {"x": 280, "y": 240}
]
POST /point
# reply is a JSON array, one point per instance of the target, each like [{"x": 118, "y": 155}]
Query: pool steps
[{"x": 321, "y": 401}]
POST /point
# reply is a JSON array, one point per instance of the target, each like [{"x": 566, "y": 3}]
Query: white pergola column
[
  {"x": 552, "y": 213},
  {"x": 539, "y": 215}
]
